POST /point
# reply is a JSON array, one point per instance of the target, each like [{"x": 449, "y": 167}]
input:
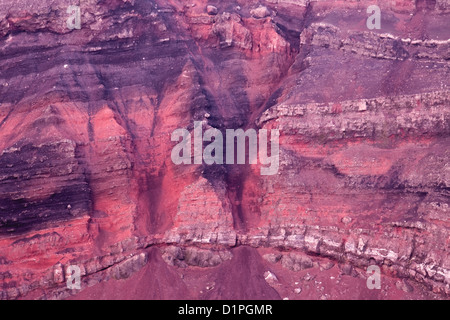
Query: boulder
[{"x": 260, "y": 12}]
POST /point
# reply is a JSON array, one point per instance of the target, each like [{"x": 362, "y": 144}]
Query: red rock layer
[{"x": 86, "y": 176}]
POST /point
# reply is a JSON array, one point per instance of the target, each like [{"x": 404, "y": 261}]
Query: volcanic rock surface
[{"x": 86, "y": 176}]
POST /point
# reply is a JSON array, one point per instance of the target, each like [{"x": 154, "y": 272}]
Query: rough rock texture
[{"x": 86, "y": 176}]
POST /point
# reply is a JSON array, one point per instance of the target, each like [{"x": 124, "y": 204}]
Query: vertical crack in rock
[{"x": 87, "y": 178}]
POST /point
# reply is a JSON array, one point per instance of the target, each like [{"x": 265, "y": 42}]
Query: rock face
[
  {"x": 260, "y": 12},
  {"x": 211, "y": 10},
  {"x": 87, "y": 180}
]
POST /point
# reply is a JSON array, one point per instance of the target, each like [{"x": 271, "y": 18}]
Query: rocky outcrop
[
  {"x": 87, "y": 180},
  {"x": 375, "y": 45},
  {"x": 204, "y": 215},
  {"x": 193, "y": 256}
]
